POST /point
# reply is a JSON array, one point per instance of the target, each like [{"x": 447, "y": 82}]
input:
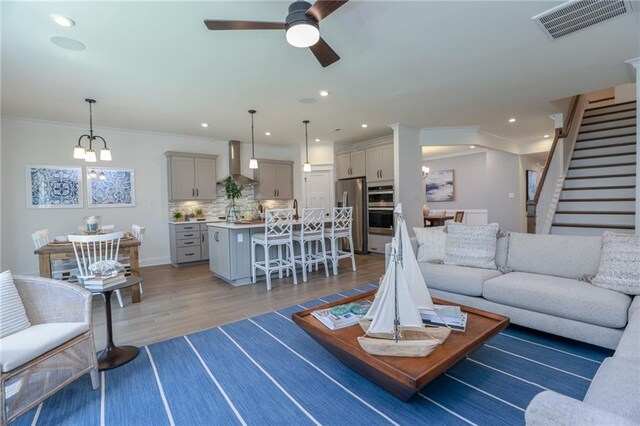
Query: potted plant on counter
[
  {"x": 178, "y": 216},
  {"x": 199, "y": 213},
  {"x": 234, "y": 192}
]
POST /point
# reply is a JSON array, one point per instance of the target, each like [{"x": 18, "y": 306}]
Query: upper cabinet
[
  {"x": 191, "y": 176},
  {"x": 351, "y": 164},
  {"x": 275, "y": 180},
  {"x": 379, "y": 163}
]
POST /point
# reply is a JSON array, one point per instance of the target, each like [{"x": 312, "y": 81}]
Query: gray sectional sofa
[{"x": 538, "y": 286}]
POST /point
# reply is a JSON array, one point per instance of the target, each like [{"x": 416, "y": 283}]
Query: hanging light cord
[
  {"x": 306, "y": 138},
  {"x": 253, "y": 153}
]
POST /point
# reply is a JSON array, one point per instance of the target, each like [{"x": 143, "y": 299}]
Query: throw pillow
[
  {"x": 620, "y": 263},
  {"x": 431, "y": 243},
  {"x": 469, "y": 245},
  {"x": 13, "y": 317}
]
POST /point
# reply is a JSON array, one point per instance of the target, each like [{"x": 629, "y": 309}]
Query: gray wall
[
  {"x": 469, "y": 181},
  {"x": 503, "y": 178}
]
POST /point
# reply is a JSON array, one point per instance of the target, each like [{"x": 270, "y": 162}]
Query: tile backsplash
[{"x": 217, "y": 207}]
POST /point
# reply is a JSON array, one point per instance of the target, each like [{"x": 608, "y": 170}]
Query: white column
[
  {"x": 407, "y": 177},
  {"x": 636, "y": 64}
]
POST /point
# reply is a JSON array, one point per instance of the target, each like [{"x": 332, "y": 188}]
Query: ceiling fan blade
[
  {"x": 324, "y": 53},
  {"x": 323, "y": 8},
  {"x": 214, "y": 24}
]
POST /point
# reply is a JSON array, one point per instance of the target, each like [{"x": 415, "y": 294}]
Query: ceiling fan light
[
  {"x": 90, "y": 156},
  {"x": 79, "y": 152},
  {"x": 303, "y": 34},
  {"x": 105, "y": 154},
  {"x": 253, "y": 163}
]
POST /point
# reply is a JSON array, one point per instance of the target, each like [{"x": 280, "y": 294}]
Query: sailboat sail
[{"x": 415, "y": 279}]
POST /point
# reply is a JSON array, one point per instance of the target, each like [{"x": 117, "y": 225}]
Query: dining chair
[
  {"x": 341, "y": 227},
  {"x": 138, "y": 233},
  {"x": 40, "y": 238},
  {"x": 278, "y": 232},
  {"x": 91, "y": 249},
  {"x": 458, "y": 216},
  {"x": 311, "y": 230}
]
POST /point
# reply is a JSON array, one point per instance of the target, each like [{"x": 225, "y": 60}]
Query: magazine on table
[
  {"x": 102, "y": 281},
  {"x": 446, "y": 315},
  {"x": 342, "y": 316}
]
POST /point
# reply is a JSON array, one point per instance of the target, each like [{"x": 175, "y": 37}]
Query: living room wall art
[
  {"x": 439, "y": 186},
  {"x": 532, "y": 184},
  {"x": 54, "y": 187},
  {"x": 117, "y": 189}
]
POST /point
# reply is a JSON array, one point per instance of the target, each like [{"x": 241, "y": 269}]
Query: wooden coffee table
[{"x": 402, "y": 377}]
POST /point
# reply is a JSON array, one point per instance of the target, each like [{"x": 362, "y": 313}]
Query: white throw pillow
[
  {"x": 431, "y": 243},
  {"x": 13, "y": 317},
  {"x": 620, "y": 263},
  {"x": 471, "y": 245}
]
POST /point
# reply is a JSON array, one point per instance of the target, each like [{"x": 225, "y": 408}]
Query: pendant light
[
  {"x": 253, "y": 163},
  {"x": 307, "y": 164},
  {"x": 89, "y": 155}
]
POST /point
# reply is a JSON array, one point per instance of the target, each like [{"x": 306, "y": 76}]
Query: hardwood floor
[{"x": 178, "y": 301}]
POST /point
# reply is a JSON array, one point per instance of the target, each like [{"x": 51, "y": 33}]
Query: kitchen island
[{"x": 230, "y": 250}]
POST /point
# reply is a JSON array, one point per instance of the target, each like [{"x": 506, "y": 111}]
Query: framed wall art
[
  {"x": 111, "y": 187},
  {"x": 439, "y": 186},
  {"x": 54, "y": 187}
]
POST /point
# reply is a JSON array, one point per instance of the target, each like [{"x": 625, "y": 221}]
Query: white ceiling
[{"x": 154, "y": 66}]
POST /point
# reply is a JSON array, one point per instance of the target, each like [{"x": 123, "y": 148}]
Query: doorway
[{"x": 318, "y": 190}]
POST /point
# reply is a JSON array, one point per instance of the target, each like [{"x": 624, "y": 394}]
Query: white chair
[
  {"x": 138, "y": 233},
  {"x": 341, "y": 224},
  {"x": 311, "y": 230},
  {"x": 40, "y": 238},
  {"x": 278, "y": 232},
  {"x": 90, "y": 249}
]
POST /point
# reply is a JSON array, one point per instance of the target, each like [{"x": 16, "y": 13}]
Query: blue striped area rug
[{"x": 266, "y": 370}]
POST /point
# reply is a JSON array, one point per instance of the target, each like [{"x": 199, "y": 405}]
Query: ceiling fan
[{"x": 301, "y": 26}]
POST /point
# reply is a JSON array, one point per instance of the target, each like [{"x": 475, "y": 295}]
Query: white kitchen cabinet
[
  {"x": 275, "y": 180},
  {"x": 191, "y": 176},
  {"x": 379, "y": 163},
  {"x": 351, "y": 165}
]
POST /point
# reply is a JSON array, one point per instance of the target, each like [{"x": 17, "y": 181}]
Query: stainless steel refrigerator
[{"x": 353, "y": 193}]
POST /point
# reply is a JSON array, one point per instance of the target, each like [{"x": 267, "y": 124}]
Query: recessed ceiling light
[
  {"x": 472, "y": 147},
  {"x": 364, "y": 125},
  {"x": 267, "y": 133},
  {"x": 546, "y": 136},
  {"x": 63, "y": 21},
  {"x": 67, "y": 43},
  {"x": 204, "y": 124},
  {"x": 324, "y": 93},
  {"x": 317, "y": 140},
  {"x": 512, "y": 120}
]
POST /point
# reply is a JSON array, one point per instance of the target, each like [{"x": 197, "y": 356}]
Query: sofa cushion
[
  {"x": 456, "y": 279},
  {"x": 469, "y": 245},
  {"x": 20, "y": 348},
  {"x": 13, "y": 317},
  {"x": 431, "y": 242},
  {"x": 619, "y": 268},
  {"x": 616, "y": 388},
  {"x": 629, "y": 346},
  {"x": 561, "y": 297},
  {"x": 502, "y": 250},
  {"x": 565, "y": 256}
]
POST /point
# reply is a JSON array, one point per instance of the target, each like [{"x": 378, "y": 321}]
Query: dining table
[
  {"x": 55, "y": 251},
  {"x": 436, "y": 220}
]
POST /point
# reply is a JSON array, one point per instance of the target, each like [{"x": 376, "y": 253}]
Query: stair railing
[{"x": 549, "y": 184}]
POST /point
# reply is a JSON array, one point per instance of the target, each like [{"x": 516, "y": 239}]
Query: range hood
[{"x": 235, "y": 168}]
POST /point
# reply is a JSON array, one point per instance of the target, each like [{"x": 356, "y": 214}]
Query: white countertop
[
  {"x": 227, "y": 225},
  {"x": 187, "y": 222}
]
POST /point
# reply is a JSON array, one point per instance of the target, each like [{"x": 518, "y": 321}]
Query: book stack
[
  {"x": 342, "y": 316},
  {"x": 446, "y": 315},
  {"x": 104, "y": 282}
]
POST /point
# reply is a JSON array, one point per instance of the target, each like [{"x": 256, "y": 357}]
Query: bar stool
[
  {"x": 278, "y": 232},
  {"x": 341, "y": 224},
  {"x": 311, "y": 230}
]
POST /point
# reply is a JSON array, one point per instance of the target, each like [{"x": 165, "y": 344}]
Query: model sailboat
[{"x": 393, "y": 326}]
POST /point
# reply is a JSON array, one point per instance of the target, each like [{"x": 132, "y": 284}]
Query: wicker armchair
[{"x": 57, "y": 349}]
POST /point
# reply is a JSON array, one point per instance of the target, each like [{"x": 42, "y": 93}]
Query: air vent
[{"x": 577, "y": 15}]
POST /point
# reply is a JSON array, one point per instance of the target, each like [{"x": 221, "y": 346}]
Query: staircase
[{"x": 599, "y": 189}]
